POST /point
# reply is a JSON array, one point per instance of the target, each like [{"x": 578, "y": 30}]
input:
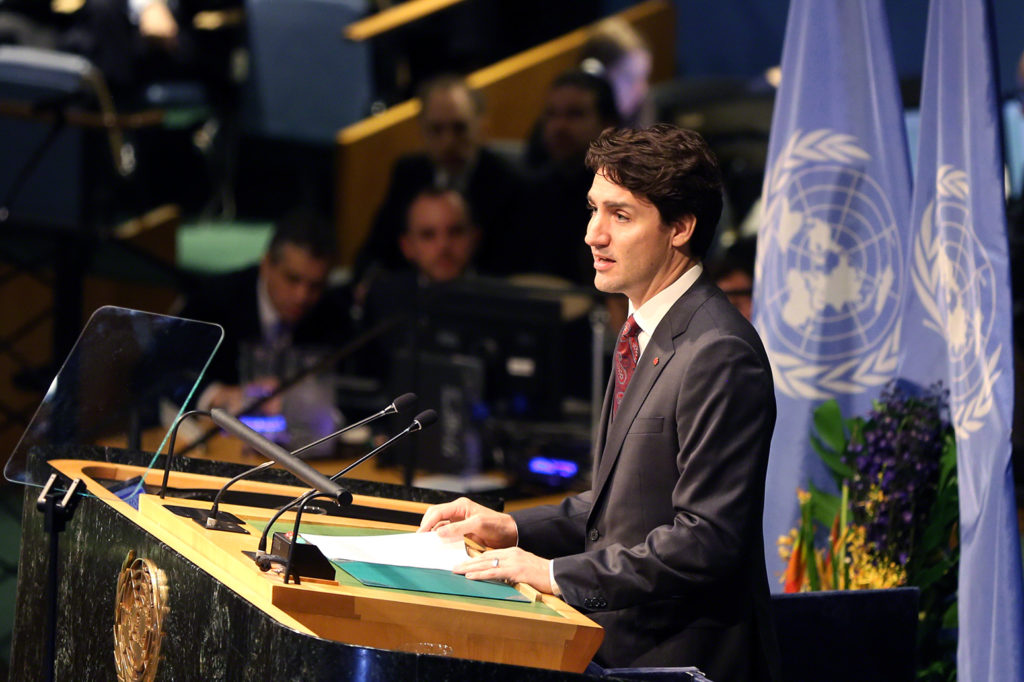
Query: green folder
[{"x": 427, "y": 580}]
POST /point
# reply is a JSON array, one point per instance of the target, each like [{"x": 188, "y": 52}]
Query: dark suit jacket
[
  {"x": 494, "y": 192},
  {"x": 666, "y": 550},
  {"x": 230, "y": 300}
]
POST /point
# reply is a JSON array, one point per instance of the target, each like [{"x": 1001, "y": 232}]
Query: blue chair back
[{"x": 306, "y": 81}]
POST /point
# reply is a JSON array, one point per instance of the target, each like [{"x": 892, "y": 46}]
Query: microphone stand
[
  {"x": 232, "y": 523},
  {"x": 170, "y": 446},
  {"x": 298, "y": 500},
  {"x": 264, "y": 560}
]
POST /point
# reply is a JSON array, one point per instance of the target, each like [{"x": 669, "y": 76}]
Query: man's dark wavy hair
[{"x": 671, "y": 167}]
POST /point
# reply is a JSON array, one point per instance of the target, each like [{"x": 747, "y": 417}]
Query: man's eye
[{"x": 622, "y": 217}]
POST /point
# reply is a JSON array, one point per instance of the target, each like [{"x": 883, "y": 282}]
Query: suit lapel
[
  {"x": 661, "y": 346},
  {"x": 602, "y": 428}
]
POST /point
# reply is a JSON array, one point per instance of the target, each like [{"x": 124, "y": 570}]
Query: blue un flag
[
  {"x": 957, "y": 323},
  {"x": 833, "y": 241}
]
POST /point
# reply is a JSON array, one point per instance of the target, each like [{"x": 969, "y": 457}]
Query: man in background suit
[
  {"x": 454, "y": 157},
  {"x": 579, "y": 106},
  {"x": 665, "y": 551},
  {"x": 439, "y": 241},
  {"x": 283, "y": 302}
]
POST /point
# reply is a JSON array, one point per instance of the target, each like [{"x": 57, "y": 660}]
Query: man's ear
[{"x": 682, "y": 230}]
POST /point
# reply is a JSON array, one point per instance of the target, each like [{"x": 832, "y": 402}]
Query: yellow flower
[
  {"x": 785, "y": 544},
  {"x": 867, "y": 571}
]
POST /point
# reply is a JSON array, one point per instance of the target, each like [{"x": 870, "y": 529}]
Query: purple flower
[{"x": 895, "y": 455}]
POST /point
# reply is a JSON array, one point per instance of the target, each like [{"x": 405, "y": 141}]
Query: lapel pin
[{"x": 655, "y": 361}]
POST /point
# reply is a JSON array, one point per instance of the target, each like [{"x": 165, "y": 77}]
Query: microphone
[
  {"x": 263, "y": 560},
  {"x": 271, "y": 450},
  {"x": 210, "y": 520},
  {"x": 422, "y": 421}
]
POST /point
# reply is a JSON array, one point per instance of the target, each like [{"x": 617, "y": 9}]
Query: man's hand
[
  {"x": 463, "y": 517},
  {"x": 157, "y": 24},
  {"x": 230, "y": 398},
  {"x": 237, "y": 399},
  {"x": 512, "y": 564}
]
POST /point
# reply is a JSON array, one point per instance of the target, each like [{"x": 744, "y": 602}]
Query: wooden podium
[{"x": 201, "y": 609}]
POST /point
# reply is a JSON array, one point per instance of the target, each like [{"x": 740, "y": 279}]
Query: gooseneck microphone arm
[
  {"x": 271, "y": 450},
  {"x": 422, "y": 421},
  {"x": 211, "y": 516},
  {"x": 397, "y": 405},
  {"x": 170, "y": 446},
  {"x": 298, "y": 501}
]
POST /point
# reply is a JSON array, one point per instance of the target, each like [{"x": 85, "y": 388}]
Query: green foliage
[{"x": 830, "y": 436}]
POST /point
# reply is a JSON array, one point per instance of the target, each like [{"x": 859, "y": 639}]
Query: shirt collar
[
  {"x": 458, "y": 182},
  {"x": 649, "y": 315}
]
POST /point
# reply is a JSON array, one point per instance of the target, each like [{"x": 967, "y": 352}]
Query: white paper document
[{"x": 421, "y": 550}]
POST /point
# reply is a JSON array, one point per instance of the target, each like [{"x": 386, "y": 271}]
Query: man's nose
[
  {"x": 596, "y": 234},
  {"x": 307, "y": 293}
]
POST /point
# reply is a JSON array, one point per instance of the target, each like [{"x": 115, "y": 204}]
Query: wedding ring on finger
[{"x": 495, "y": 563}]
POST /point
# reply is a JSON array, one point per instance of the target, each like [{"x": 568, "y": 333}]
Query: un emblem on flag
[
  {"x": 956, "y": 284},
  {"x": 831, "y": 261}
]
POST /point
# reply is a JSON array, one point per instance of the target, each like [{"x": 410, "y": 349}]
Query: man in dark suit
[
  {"x": 453, "y": 158},
  {"x": 439, "y": 241},
  {"x": 579, "y": 106},
  {"x": 665, "y": 551},
  {"x": 283, "y": 302}
]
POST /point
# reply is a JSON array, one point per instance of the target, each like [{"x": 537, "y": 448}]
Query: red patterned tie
[{"x": 627, "y": 353}]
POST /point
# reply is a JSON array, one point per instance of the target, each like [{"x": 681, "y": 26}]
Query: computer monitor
[
  {"x": 514, "y": 332},
  {"x": 476, "y": 350}
]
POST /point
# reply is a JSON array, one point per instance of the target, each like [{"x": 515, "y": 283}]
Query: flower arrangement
[{"x": 894, "y": 519}]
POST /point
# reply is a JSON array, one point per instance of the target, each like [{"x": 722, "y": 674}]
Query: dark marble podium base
[{"x": 211, "y": 633}]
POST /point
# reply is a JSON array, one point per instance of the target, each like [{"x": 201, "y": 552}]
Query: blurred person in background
[
  {"x": 454, "y": 157},
  {"x": 733, "y": 272},
  {"x": 283, "y": 302},
  {"x": 579, "y": 106},
  {"x": 439, "y": 243},
  {"x": 616, "y": 52}
]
